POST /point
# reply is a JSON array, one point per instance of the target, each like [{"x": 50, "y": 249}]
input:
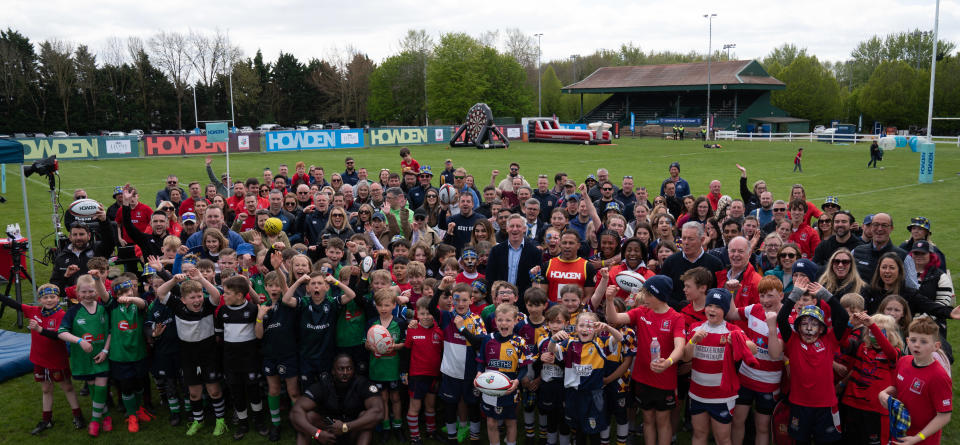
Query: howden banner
[
  {"x": 91, "y": 147},
  {"x": 196, "y": 144},
  {"x": 314, "y": 139}
]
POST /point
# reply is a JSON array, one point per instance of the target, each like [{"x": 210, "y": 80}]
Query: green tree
[
  {"x": 550, "y": 85},
  {"x": 396, "y": 90},
  {"x": 454, "y": 78},
  {"x": 896, "y": 94},
  {"x": 781, "y": 57},
  {"x": 812, "y": 92}
]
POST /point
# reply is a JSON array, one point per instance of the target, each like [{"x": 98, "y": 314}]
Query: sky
[{"x": 828, "y": 29}]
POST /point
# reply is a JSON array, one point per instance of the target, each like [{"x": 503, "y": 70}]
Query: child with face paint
[
  {"x": 809, "y": 345},
  {"x": 468, "y": 265}
]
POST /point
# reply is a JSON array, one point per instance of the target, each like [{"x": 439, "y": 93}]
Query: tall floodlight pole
[
  {"x": 539, "y": 106},
  {"x": 933, "y": 73},
  {"x": 709, "y": 18},
  {"x": 727, "y": 47},
  {"x": 196, "y": 117}
]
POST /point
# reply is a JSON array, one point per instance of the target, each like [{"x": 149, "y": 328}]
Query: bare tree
[
  {"x": 211, "y": 56},
  {"x": 522, "y": 47},
  {"x": 57, "y": 69},
  {"x": 172, "y": 55},
  {"x": 489, "y": 38},
  {"x": 416, "y": 41}
]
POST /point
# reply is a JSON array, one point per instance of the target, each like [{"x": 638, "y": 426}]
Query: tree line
[{"x": 150, "y": 83}]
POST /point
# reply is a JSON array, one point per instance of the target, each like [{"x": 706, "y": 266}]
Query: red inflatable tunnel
[{"x": 548, "y": 130}]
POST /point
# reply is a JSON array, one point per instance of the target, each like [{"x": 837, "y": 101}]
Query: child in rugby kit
[
  {"x": 550, "y": 390},
  {"x": 760, "y": 385},
  {"x": 425, "y": 341},
  {"x": 872, "y": 369},
  {"x": 276, "y": 327},
  {"x": 922, "y": 385},
  {"x": 317, "y": 322},
  {"x": 161, "y": 333},
  {"x": 459, "y": 363},
  {"x": 236, "y": 320},
  {"x": 529, "y": 328},
  {"x": 695, "y": 281},
  {"x": 616, "y": 379},
  {"x": 654, "y": 375},
  {"x": 193, "y": 315},
  {"x": 128, "y": 351},
  {"x": 571, "y": 298},
  {"x": 809, "y": 346},
  {"x": 48, "y": 354},
  {"x": 88, "y": 325},
  {"x": 713, "y": 348},
  {"x": 506, "y": 352},
  {"x": 385, "y": 368},
  {"x": 583, "y": 355}
]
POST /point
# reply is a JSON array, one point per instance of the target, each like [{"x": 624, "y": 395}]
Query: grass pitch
[{"x": 828, "y": 170}]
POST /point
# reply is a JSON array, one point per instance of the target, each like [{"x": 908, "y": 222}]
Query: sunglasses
[
  {"x": 607, "y": 189},
  {"x": 459, "y": 177},
  {"x": 289, "y": 203},
  {"x": 172, "y": 182},
  {"x": 364, "y": 212},
  {"x": 432, "y": 196},
  {"x": 336, "y": 180},
  {"x": 627, "y": 176},
  {"x": 167, "y": 209},
  {"x": 781, "y": 209},
  {"x": 825, "y": 221},
  {"x": 425, "y": 176},
  {"x": 338, "y": 215},
  {"x": 80, "y": 197},
  {"x": 840, "y": 261},
  {"x": 420, "y": 218},
  {"x": 788, "y": 255}
]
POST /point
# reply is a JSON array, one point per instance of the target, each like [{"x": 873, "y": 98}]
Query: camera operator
[{"x": 71, "y": 261}]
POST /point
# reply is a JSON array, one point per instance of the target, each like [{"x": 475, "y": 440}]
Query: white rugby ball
[
  {"x": 447, "y": 193},
  {"x": 84, "y": 209},
  {"x": 630, "y": 281},
  {"x": 367, "y": 264},
  {"x": 379, "y": 339},
  {"x": 492, "y": 383}
]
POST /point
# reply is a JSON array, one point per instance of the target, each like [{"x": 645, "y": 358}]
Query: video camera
[{"x": 46, "y": 167}]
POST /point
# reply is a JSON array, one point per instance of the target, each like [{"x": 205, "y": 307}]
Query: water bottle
[{"x": 654, "y": 350}]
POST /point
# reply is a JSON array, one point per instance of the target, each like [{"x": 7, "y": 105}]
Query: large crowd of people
[{"x": 241, "y": 300}]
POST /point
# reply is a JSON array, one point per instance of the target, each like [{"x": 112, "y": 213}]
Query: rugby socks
[
  {"x": 98, "y": 395},
  {"x": 450, "y": 420},
  {"x": 474, "y": 430},
  {"x": 552, "y": 438},
  {"x": 196, "y": 406},
  {"x": 542, "y": 420},
  {"x": 623, "y": 433},
  {"x": 397, "y": 424},
  {"x": 431, "y": 419},
  {"x": 605, "y": 436},
  {"x": 48, "y": 416},
  {"x": 413, "y": 423},
  {"x": 273, "y": 404},
  {"x": 174, "y": 403},
  {"x": 219, "y": 407},
  {"x": 529, "y": 424},
  {"x": 129, "y": 404},
  {"x": 242, "y": 415},
  {"x": 564, "y": 439},
  {"x": 385, "y": 425}
]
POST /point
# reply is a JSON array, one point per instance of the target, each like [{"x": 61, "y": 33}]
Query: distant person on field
[
  {"x": 876, "y": 154},
  {"x": 796, "y": 160}
]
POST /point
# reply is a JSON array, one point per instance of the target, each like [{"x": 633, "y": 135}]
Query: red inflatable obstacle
[{"x": 548, "y": 130}]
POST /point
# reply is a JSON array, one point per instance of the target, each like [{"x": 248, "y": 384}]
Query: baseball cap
[
  {"x": 379, "y": 215},
  {"x": 921, "y": 246},
  {"x": 660, "y": 286},
  {"x": 674, "y": 164},
  {"x": 573, "y": 197},
  {"x": 868, "y": 219},
  {"x": 419, "y": 213},
  {"x": 448, "y": 161},
  {"x": 591, "y": 178},
  {"x": 118, "y": 190},
  {"x": 426, "y": 170},
  {"x": 245, "y": 249},
  {"x": 189, "y": 217}
]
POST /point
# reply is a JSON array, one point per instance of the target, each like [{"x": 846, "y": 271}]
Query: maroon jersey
[{"x": 426, "y": 350}]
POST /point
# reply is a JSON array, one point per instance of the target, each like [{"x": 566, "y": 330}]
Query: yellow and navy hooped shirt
[
  {"x": 627, "y": 348},
  {"x": 583, "y": 362},
  {"x": 508, "y": 355}
]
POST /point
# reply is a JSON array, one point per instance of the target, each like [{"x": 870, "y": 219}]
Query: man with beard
[
  {"x": 349, "y": 175},
  {"x": 683, "y": 188},
  {"x": 507, "y": 183},
  {"x": 568, "y": 268},
  {"x": 673, "y": 201},
  {"x": 150, "y": 244},
  {"x": 842, "y": 237},
  {"x": 213, "y": 219},
  {"x": 764, "y": 213},
  {"x": 626, "y": 196},
  {"x": 71, "y": 261},
  {"x": 311, "y": 223},
  {"x": 417, "y": 194},
  {"x": 461, "y": 226},
  {"x": 317, "y": 177},
  {"x": 779, "y": 211},
  {"x": 340, "y": 408},
  {"x": 606, "y": 196}
]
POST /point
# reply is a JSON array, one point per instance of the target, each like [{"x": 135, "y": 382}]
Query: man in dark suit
[
  {"x": 534, "y": 227},
  {"x": 512, "y": 260}
]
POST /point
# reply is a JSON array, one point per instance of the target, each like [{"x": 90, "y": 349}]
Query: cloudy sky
[{"x": 828, "y": 29}]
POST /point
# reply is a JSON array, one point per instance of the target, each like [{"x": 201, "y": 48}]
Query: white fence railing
[{"x": 813, "y": 137}]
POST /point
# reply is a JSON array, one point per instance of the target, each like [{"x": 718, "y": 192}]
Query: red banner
[{"x": 196, "y": 144}]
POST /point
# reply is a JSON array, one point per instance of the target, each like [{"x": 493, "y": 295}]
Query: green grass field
[{"x": 828, "y": 170}]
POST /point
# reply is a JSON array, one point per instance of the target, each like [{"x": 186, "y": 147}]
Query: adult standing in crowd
[
  {"x": 71, "y": 261},
  {"x": 683, "y": 188},
  {"x": 349, "y": 175},
  {"x": 512, "y": 260},
  {"x": 842, "y": 237},
  {"x": 691, "y": 254},
  {"x": 164, "y": 193},
  {"x": 867, "y": 255}
]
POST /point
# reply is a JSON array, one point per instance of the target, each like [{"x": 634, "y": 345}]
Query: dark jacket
[
  {"x": 867, "y": 255},
  {"x": 150, "y": 244},
  {"x": 675, "y": 265},
  {"x": 827, "y": 247},
  {"x": 66, "y": 257},
  {"x": 498, "y": 267},
  {"x": 751, "y": 201},
  {"x": 310, "y": 226}
]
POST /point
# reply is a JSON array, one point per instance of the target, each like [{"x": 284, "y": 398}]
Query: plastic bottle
[{"x": 654, "y": 350}]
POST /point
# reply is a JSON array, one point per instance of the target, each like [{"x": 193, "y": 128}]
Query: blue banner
[
  {"x": 633, "y": 120},
  {"x": 573, "y": 126},
  {"x": 314, "y": 139},
  {"x": 216, "y": 132},
  {"x": 680, "y": 121}
]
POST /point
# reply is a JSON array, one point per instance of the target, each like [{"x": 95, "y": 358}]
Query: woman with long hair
[
  {"x": 482, "y": 231},
  {"x": 687, "y": 210},
  {"x": 431, "y": 204},
  {"x": 663, "y": 251},
  {"x": 337, "y": 225},
  {"x": 364, "y": 216},
  {"x": 825, "y": 226},
  {"x": 640, "y": 215},
  {"x": 840, "y": 275},
  {"x": 789, "y": 253},
  {"x": 228, "y": 214},
  {"x": 607, "y": 250},
  {"x": 644, "y": 232},
  {"x": 701, "y": 210},
  {"x": 712, "y": 230},
  {"x": 663, "y": 230},
  {"x": 888, "y": 279},
  {"x": 361, "y": 193}
]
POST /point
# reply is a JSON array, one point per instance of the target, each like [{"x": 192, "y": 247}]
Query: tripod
[{"x": 16, "y": 269}]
